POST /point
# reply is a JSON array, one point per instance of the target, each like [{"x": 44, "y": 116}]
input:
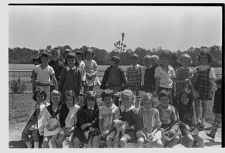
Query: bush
[{"x": 16, "y": 86}]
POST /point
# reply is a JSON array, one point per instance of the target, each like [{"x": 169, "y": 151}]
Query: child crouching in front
[
  {"x": 68, "y": 119},
  {"x": 50, "y": 120},
  {"x": 129, "y": 115},
  {"x": 150, "y": 122},
  {"x": 168, "y": 117},
  {"x": 32, "y": 126}
]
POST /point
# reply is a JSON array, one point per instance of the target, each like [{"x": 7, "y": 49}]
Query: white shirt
[
  {"x": 71, "y": 118},
  {"x": 165, "y": 77},
  {"x": 43, "y": 75}
]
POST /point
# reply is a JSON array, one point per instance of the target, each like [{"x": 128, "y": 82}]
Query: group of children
[{"x": 60, "y": 113}]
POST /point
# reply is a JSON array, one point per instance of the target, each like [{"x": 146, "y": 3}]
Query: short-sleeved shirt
[
  {"x": 150, "y": 119},
  {"x": 167, "y": 115},
  {"x": 165, "y": 77},
  {"x": 108, "y": 115},
  {"x": 43, "y": 75}
]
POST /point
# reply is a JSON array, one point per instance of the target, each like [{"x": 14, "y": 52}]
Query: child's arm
[
  {"x": 95, "y": 68},
  {"x": 100, "y": 126},
  {"x": 157, "y": 77},
  {"x": 61, "y": 79},
  {"x": 54, "y": 81},
  {"x": 34, "y": 77}
]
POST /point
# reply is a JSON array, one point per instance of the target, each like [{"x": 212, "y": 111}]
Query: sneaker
[{"x": 210, "y": 135}]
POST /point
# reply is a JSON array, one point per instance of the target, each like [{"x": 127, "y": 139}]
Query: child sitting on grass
[
  {"x": 86, "y": 131},
  {"x": 168, "y": 117},
  {"x": 32, "y": 127},
  {"x": 107, "y": 113},
  {"x": 129, "y": 115},
  {"x": 150, "y": 122},
  {"x": 50, "y": 120},
  {"x": 190, "y": 138},
  {"x": 67, "y": 119}
]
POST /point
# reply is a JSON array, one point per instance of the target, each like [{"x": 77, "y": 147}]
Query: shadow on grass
[
  {"x": 17, "y": 144},
  {"x": 212, "y": 143}
]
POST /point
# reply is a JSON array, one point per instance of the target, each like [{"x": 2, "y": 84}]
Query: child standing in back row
[
  {"x": 217, "y": 109},
  {"x": 114, "y": 77},
  {"x": 134, "y": 75},
  {"x": 91, "y": 70},
  {"x": 164, "y": 76},
  {"x": 203, "y": 83},
  {"x": 42, "y": 74}
]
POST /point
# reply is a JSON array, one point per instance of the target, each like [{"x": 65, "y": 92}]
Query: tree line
[{"x": 25, "y": 55}]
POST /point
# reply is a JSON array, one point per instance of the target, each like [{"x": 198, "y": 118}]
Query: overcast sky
[{"x": 173, "y": 28}]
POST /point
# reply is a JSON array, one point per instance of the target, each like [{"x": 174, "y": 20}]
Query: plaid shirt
[{"x": 134, "y": 76}]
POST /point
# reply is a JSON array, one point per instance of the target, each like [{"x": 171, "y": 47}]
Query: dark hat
[
  {"x": 116, "y": 59},
  {"x": 79, "y": 52}
]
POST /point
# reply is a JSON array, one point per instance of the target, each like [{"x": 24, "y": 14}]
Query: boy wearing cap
[
  {"x": 114, "y": 77},
  {"x": 42, "y": 74}
]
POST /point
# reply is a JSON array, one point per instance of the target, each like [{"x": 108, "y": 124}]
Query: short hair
[
  {"x": 66, "y": 52},
  {"x": 130, "y": 92},
  {"x": 185, "y": 55},
  {"x": 44, "y": 54},
  {"x": 164, "y": 93},
  {"x": 37, "y": 59},
  {"x": 90, "y": 95},
  {"x": 147, "y": 57},
  {"x": 55, "y": 93},
  {"x": 72, "y": 55},
  {"x": 207, "y": 54},
  {"x": 116, "y": 59},
  {"x": 107, "y": 93},
  {"x": 134, "y": 56},
  {"x": 147, "y": 96},
  {"x": 39, "y": 91},
  {"x": 89, "y": 50}
]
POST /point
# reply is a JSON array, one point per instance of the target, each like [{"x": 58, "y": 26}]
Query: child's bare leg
[
  {"x": 54, "y": 140},
  {"x": 109, "y": 143},
  {"x": 60, "y": 140},
  {"x": 173, "y": 142},
  {"x": 204, "y": 110},
  {"x": 76, "y": 143},
  {"x": 71, "y": 141},
  {"x": 188, "y": 141},
  {"x": 25, "y": 137},
  {"x": 140, "y": 142},
  {"x": 46, "y": 141},
  {"x": 158, "y": 144},
  {"x": 199, "y": 139},
  {"x": 123, "y": 142},
  {"x": 36, "y": 139},
  {"x": 197, "y": 110},
  {"x": 116, "y": 142}
]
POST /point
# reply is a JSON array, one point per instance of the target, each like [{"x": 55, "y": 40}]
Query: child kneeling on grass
[
  {"x": 129, "y": 115},
  {"x": 50, "y": 120},
  {"x": 86, "y": 131},
  {"x": 168, "y": 117},
  {"x": 68, "y": 119},
  {"x": 150, "y": 122},
  {"x": 32, "y": 127}
]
